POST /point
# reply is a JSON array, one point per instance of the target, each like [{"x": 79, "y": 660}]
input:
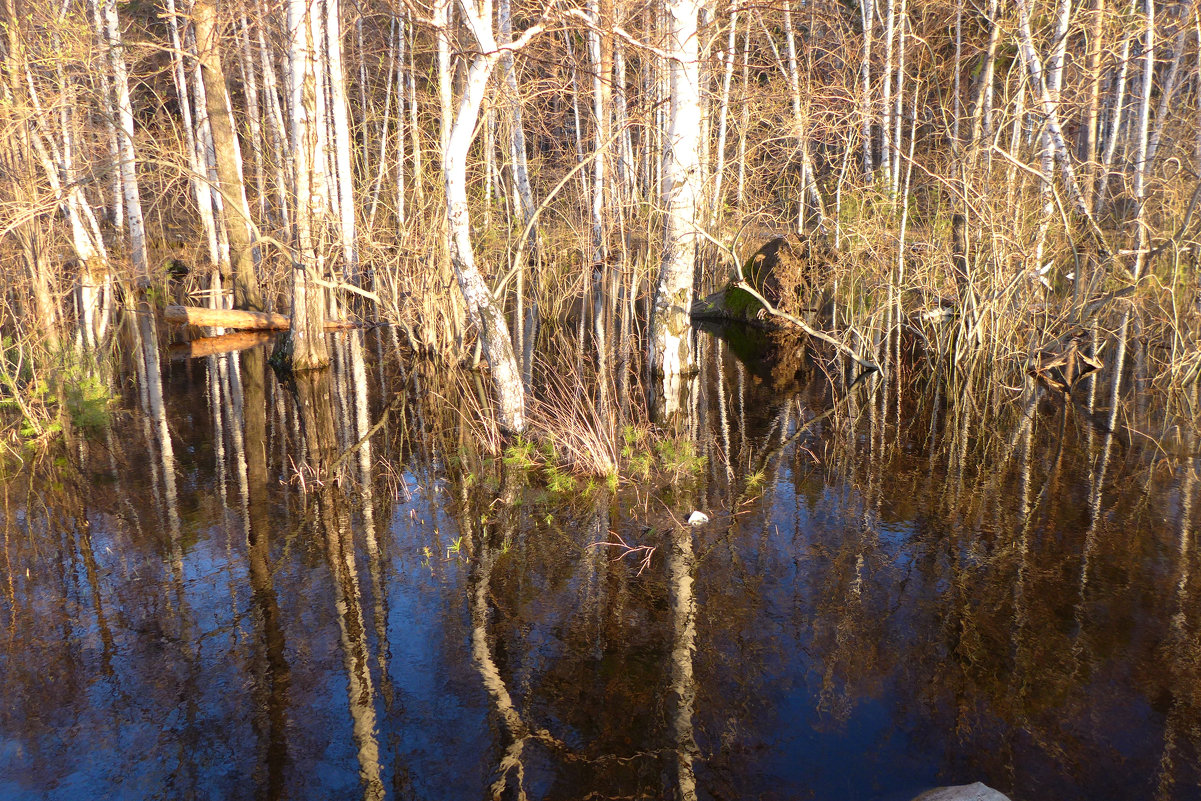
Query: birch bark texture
[
  {"x": 671, "y": 356},
  {"x": 307, "y": 336},
  {"x": 482, "y": 308},
  {"x": 125, "y": 133}
]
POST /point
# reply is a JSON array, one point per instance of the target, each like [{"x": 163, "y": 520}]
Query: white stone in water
[
  {"x": 963, "y": 792},
  {"x": 698, "y": 519}
]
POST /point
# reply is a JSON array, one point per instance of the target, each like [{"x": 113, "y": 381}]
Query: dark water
[{"x": 904, "y": 584}]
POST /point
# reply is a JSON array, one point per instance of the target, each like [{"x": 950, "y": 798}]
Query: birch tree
[
  {"x": 671, "y": 356},
  {"x": 1143, "y": 134},
  {"x": 342, "y": 138},
  {"x": 127, "y": 158},
  {"x": 482, "y": 308},
  {"x": 307, "y": 337}
]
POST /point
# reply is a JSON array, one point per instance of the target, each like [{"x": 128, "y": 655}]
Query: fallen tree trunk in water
[
  {"x": 238, "y": 319},
  {"x": 213, "y": 346}
]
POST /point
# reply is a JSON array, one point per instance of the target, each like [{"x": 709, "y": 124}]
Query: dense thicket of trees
[{"x": 544, "y": 155}]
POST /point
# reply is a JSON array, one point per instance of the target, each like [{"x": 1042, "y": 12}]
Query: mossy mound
[{"x": 785, "y": 271}]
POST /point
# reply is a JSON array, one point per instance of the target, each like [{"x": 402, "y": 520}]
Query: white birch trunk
[
  {"x": 1054, "y": 81},
  {"x": 308, "y": 346},
  {"x": 414, "y": 128},
  {"x": 240, "y": 229},
  {"x": 897, "y": 115},
  {"x": 276, "y": 126},
  {"x": 382, "y": 163},
  {"x": 200, "y": 189},
  {"x": 341, "y": 141},
  {"x": 401, "y": 173},
  {"x": 1115, "y": 122},
  {"x": 481, "y": 306},
  {"x": 521, "y": 172},
  {"x": 440, "y": 14},
  {"x": 671, "y": 356},
  {"x": 625, "y": 159},
  {"x": 866, "y": 10},
  {"x": 744, "y": 120},
  {"x": 1035, "y": 70},
  {"x": 1166, "y": 95},
  {"x": 955, "y": 89},
  {"x": 981, "y": 125},
  {"x": 128, "y": 158},
  {"x": 886, "y": 153},
  {"x": 723, "y": 113},
  {"x": 207, "y": 161},
  {"x": 108, "y": 105},
  {"x": 254, "y": 116},
  {"x": 1141, "y": 144}
]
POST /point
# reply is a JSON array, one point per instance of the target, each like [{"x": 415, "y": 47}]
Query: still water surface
[{"x": 923, "y": 587}]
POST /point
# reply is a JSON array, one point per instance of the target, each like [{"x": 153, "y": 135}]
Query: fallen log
[
  {"x": 238, "y": 319},
  {"x": 226, "y": 343}
]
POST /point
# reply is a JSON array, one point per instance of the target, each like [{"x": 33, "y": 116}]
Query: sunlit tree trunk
[
  {"x": 238, "y": 224},
  {"x": 276, "y": 126},
  {"x": 897, "y": 109},
  {"x": 308, "y": 346},
  {"x": 483, "y": 309},
  {"x": 521, "y": 177},
  {"x": 1117, "y": 105},
  {"x": 1090, "y": 131},
  {"x": 809, "y": 192},
  {"x": 886, "y": 152},
  {"x": 125, "y": 129},
  {"x": 981, "y": 105},
  {"x": 1143, "y": 135},
  {"x": 1047, "y": 103},
  {"x": 1054, "y": 83},
  {"x": 723, "y": 113},
  {"x": 200, "y": 189},
  {"x": 206, "y": 157},
  {"x": 671, "y": 352},
  {"x": 342, "y": 144},
  {"x": 601, "y": 51},
  {"x": 521, "y": 172},
  {"x": 1166, "y": 95},
  {"x": 108, "y": 103},
  {"x": 254, "y": 116},
  {"x": 401, "y": 168},
  {"x": 866, "y": 13},
  {"x": 384, "y": 136},
  {"x": 744, "y": 119}
]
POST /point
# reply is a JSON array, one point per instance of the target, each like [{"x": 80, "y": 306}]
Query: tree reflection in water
[{"x": 905, "y": 583}]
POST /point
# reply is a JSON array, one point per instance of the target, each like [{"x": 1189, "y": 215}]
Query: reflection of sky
[{"x": 806, "y": 689}]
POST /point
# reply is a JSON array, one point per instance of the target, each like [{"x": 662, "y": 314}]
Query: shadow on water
[{"x": 330, "y": 588}]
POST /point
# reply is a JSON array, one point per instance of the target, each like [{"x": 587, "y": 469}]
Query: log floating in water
[
  {"x": 226, "y": 343},
  {"x": 238, "y": 319}
]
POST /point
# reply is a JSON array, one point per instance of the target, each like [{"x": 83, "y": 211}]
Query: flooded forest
[{"x": 600, "y": 399}]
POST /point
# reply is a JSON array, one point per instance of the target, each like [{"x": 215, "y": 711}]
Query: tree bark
[
  {"x": 481, "y": 306},
  {"x": 307, "y": 347},
  {"x": 127, "y": 156},
  {"x": 671, "y": 357},
  {"x": 238, "y": 224}
]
